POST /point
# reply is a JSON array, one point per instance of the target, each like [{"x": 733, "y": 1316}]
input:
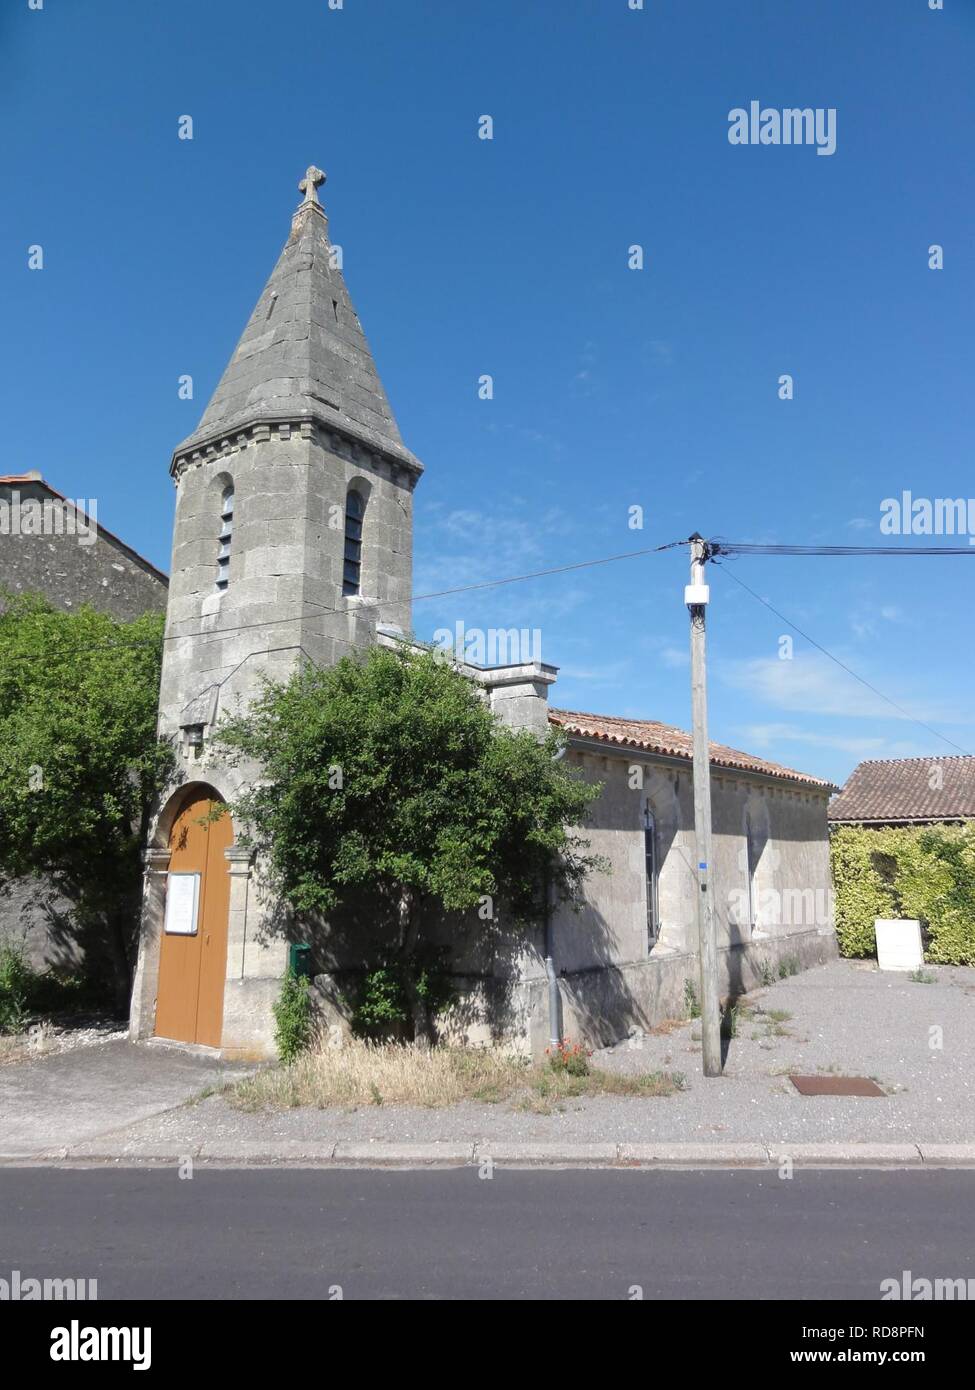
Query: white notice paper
[{"x": 182, "y": 904}]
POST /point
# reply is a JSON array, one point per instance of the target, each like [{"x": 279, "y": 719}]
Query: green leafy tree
[
  {"x": 389, "y": 776},
  {"x": 80, "y": 766}
]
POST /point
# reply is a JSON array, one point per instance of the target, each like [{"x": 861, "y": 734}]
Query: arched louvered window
[
  {"x": 226, "y": 535},
  {"x": 355, "y": 509}
]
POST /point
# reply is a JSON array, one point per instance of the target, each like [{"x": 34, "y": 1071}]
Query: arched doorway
[{"x": 193, "y": 951}]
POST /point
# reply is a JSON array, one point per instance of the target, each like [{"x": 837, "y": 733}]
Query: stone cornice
[
  {"x": 330, "y": 435},
  {"x": 633, "y": 753}
]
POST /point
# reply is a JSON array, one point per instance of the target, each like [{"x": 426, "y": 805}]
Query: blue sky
[{"x": 612, "y": 387}]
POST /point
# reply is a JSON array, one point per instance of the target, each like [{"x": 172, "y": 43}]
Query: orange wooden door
[{"x": 193, "y": 968}]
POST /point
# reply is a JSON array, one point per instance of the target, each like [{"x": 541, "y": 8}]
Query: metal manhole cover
[{"x": 836, "y": 1086}]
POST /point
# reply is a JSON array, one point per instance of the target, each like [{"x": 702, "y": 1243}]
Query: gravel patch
[
  {"x": 53, "y": 1036},
  {"x": 846, "y": 1017}
]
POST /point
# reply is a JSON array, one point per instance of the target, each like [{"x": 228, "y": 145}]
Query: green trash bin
[{"x": 299, "y": 960}]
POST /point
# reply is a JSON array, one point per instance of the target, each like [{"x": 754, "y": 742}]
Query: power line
[
  {"x": 444, "y": 593},
  {"x": 842, "y": 664},
  {"x": 371, "y": 604},
  {"x": 741, "y": 548},
  {"x": 714, "y": 548}
]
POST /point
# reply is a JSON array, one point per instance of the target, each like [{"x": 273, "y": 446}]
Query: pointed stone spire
[{"x": 303, "y": 355}]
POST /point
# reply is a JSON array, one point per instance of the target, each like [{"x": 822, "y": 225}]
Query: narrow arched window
[
  {"x": 352, "y": 563},
  {"x": 226, "y": 535},
  {"x": 652, "y": 871},
  {"x": 754, "y": 845}
]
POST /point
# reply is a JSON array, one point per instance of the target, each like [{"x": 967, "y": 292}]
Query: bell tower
[
  {"x": 294, "y": 494},
  {"x": 292, "y": 541}
]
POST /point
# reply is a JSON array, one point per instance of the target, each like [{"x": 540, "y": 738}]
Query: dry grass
[
  {"x": 363, "y": 1073},
  {"x": 13, "y": 1047},
  {"x": 548, "y": 1089},
  {"x": 668, "y": 1026}
]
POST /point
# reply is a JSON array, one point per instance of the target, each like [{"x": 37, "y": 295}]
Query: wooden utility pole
[{"x": 696, "y": 596}]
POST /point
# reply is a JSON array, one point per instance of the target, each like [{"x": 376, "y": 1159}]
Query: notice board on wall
[{"x": 182, "y": 904}]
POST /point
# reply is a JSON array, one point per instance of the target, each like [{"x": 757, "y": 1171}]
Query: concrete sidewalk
[{"x": 52, "y": 1104}]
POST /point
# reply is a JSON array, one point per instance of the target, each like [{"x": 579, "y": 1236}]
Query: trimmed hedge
[{"x": 926, "y": 872}]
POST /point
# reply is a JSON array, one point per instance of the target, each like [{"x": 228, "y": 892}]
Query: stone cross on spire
[{"x": 312, "y": 180}]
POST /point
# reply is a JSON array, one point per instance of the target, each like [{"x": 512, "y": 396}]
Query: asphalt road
[{"x": 300, "y": 1234}]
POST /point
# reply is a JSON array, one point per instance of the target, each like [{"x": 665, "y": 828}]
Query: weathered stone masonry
[
  {"x": 298, "y": 419},
  {"x": 260, "y": 555}
]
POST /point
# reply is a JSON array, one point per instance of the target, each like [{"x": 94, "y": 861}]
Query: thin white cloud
[
  {"x": 812, "y": 684},
  {"x": 766, "y": 736},
  {"x": 609, "y": 674},
  {"x": 467, "y": 546},
  {"x": 863, "y": 619}
]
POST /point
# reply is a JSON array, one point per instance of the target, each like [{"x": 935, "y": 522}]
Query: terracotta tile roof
[
  {"x": 671, "y": 743},
  {"x": 899, "y": 789}
]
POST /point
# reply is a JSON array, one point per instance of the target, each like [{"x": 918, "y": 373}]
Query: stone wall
[
  {"x": 82, "y": 564},
  {"x": 612, "y": 980},
  {"x": 36, "y": 919},
  {"x": 613, "y": 976}
]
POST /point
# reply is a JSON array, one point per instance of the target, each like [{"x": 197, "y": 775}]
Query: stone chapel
[{"x": 293, "y": 539}]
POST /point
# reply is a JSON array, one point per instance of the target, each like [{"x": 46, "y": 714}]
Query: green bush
[
  {"x": 25, "y": 992},
  {"x": 927, "y": 872},
  {"x": 16, "y": 983},
  {"x": 441, "y": 811},
  {"x": 861, "y": 893},
  {"x": 382, "y": 1008},
  {"x": 292, "y": 1017},
  {"x": 936, "y": 882}
]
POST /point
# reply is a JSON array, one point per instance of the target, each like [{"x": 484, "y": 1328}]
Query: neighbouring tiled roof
[
  {"x": 672, "y": 743},
  {"x": 907, "y": 789},
  {"x": 34, "y": 478}
]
